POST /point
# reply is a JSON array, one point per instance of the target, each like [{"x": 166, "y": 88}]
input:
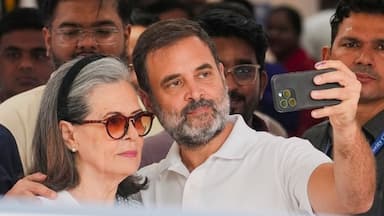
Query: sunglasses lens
[
  {"x": 143, "y": 124},
  {"x": 116, "y": 126}
]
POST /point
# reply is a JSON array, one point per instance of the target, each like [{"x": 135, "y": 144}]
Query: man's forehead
[{"x": 86, "y": 12}]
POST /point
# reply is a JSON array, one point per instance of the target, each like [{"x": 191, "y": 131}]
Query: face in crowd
[
  {"x": 361, "y": 47},
  {"x": 246, "y": 83},
  {"x": 23, "y": 61},
  {"x": 85, "y": 27},
  {"x": 191, "y": 98}
]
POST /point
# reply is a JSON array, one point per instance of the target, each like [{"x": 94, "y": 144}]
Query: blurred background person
[
  {"x": 170, "y": 9},
  {"x": 284, "y": 28},
  {"x": 23, "y": 61},
  {"x": 140, "y": 20},
  {"x": 316, "y": 29}
]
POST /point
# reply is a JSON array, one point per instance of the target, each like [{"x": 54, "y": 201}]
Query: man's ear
[
  {"x": 127, "y": 34},
  {"x": 47, "y": 40},
  {"x": 263, "y": 83},
  {"x": 67, "y": 132},
  {"x": 326, "y": 53},
  {"x": 145, "y": 99},
  {"x": 220, "y": 66}
]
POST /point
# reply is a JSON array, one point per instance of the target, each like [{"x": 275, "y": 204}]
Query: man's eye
[
  {"x": 105, "y": 32},
  {"x": 12, "y": 55},
  {"x": 71, "y": 32},
  {"x": 39, "y": 55},
  {"x": 204, "y": 74},
  {"x": 350, "y": 44},
  {"x": 380, "y": 46},
  {"x": 174, "y": 84}
]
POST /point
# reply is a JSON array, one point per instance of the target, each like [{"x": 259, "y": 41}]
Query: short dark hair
[
  {"x": 161, "y": 34},
  {"x": 227, "y": 23},
  {"x": 142, "y": 18},
  {"x": 345, "y": 7},
  {"x": 293, "y": 15},
  {"x": 159, "y": 7},
  {"x": 21, "y": 19},
  {"x": 124, "y": 8}
]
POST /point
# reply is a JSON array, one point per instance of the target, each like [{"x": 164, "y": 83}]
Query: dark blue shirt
[{"x": 11, "y": 168}]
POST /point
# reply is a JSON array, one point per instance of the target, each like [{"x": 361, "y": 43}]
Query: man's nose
[
  {"x": 87, "y": 39},
  {"x": 25, "y": 62}
]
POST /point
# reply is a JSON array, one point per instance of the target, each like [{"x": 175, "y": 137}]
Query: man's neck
[
  {"x": 366, "y": 111},
  {"x": 193, "y": 158}
]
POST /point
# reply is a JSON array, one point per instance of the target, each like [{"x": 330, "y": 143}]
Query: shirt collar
[{"x": 234, "y": 147}]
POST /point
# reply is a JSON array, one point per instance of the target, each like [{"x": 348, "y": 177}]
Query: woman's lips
[{"x": 129, "y": 154}]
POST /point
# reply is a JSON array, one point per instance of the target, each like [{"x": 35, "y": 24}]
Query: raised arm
[{"x": 347, "y": 185}]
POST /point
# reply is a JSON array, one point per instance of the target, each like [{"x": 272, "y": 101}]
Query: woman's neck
[{"x": 95, "y": 187}]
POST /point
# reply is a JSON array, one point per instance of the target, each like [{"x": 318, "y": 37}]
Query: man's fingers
[
  {"x": 31, "y": 186},
  {"x": 38, "y": 189},
  {"x": 37, "y": 177}
]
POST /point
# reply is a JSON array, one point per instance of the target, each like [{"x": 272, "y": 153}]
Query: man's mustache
[
  {"x": 365, "y": 69},
  {"x": 234, "y": 95},
  {"x": 197, "y": 104}
]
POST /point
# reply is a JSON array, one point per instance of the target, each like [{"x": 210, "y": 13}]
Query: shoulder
[
  {"x": 19, "y": 107},
  {"x": 29, "y": 96}
]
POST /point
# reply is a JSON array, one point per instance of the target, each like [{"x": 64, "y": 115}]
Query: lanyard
[{"x": 376, "y": 146}]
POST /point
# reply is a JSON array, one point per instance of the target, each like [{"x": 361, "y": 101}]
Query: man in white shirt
[{"x": 218, "y": 162}]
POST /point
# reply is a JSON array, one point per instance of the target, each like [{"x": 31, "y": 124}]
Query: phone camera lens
[
  {"x": 286, "y": 93},
  {"x": 283, "y": 103},
  {"x": 292, "y": 102}
]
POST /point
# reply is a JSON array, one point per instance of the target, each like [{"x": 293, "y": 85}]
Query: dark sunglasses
[{"x": 117, "y": 125}]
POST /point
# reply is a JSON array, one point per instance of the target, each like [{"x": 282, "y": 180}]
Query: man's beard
[{"x": 184, "y": 131}]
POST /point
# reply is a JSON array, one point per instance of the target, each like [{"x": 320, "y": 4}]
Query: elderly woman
[{"x": 89, "y": 133}]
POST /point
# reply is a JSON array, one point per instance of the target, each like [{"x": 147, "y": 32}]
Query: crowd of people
[{"x": 82, "y": 83}]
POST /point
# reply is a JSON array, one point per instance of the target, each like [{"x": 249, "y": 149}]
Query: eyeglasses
[
  {"x": 117, "y": 125},
  {"x": 244, "y": 74},
  {"x": 105, "y": 35}
]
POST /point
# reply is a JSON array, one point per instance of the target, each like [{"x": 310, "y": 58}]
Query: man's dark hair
[
  {"x": 244, "y": 3},
  {"x": 21, "y": 19},
  {"x": 293, "y": 15},
  {"x": 159, "y": 7},
  {"x": 345, "y": 7},
  {"x": 123, "y": 7},
  {"x": 227, "y": 23},
  {"x": 162, "y": 34},
  {"x": 142, "y": 18}
]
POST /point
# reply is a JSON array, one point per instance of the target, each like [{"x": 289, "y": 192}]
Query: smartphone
[{"x": 291, "y": 91}]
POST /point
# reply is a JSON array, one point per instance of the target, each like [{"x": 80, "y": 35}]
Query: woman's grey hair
[{"x": 50, "y": 154}]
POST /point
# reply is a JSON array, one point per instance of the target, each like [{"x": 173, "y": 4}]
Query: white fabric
[
  {"x": 252, "y": 171},
  {"x": 63, "y": 198}
]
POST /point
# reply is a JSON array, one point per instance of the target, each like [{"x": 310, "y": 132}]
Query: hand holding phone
[{"x": 291, "y": 91}]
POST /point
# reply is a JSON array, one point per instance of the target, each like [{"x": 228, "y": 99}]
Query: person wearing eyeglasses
[
  {"x": 241, "y": 45},
  {"x": 72, "y": 28},
  {"x": 89, "y": 133}
]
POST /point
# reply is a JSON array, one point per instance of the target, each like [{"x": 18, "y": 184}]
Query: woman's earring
[{"x": 73, "y": 150}]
